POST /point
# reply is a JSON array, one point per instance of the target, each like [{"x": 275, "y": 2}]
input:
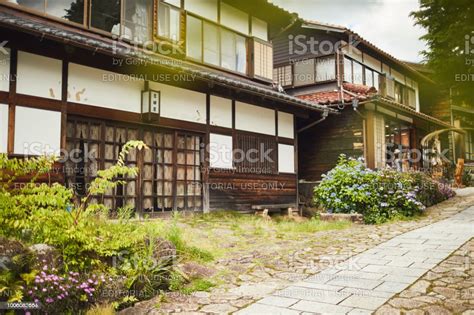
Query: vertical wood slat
[
  {"x": 64, "y": 97},
  {"x": 175, "y": 170},
  {"x": 12, "y": 100},
  {"x": 205, "y": 162}
]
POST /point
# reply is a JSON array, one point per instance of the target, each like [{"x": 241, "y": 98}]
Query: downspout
[{"x": 314, "y": 123}]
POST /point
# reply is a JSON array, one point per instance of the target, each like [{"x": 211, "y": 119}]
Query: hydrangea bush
[{"x": 351, "y": 187}]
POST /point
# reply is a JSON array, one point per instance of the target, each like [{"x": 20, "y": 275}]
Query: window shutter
[
  {"x": 283, "y": 75},
  {"x": 411, "y": 98},
  {"x": 262, "y": 60}
]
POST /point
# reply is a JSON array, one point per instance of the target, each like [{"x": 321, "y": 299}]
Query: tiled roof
[
  {"x": 365, "y": 93},
  {"x": 359, "y": 89},
  {"x": 59, "y": 32},
  {"x": 350, "y": 92}
]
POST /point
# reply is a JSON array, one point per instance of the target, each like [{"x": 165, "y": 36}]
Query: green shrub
[
  {"x": 378, "y": 195},
  {"x": 88, "y": 241}
]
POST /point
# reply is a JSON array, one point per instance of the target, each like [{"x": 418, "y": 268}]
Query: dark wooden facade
[
  {"x": 218, "y": 189},
  {"x": 321, "y": 145}
]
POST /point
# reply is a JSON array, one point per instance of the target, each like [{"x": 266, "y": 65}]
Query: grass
[
  {"x": 225, "y": 232},
  {"x": 310, "y": 226},
  {"x": 186, "y": 251},
  {"x": 207, "y": 238}
]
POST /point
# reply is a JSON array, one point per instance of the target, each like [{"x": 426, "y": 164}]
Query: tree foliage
[{"x": 450, "y": 40}]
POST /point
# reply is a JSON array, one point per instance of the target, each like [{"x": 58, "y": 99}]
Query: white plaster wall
[
  {"x": 181, "y": 104},
  {"x": 5, "y": 71},
  {"x": 39, "y": 76},
  {"x": 398, "y": 76},
  {"x": 220, "y": 151},
  {"x": 234, "y": 18},
  {"x": 176, "y": 3},
  {"x": 103, "y": 88},
  {"x": 353, "y": 52},
  {"x": 204, "y": 8},
  {"x": 259, "y": 29},
  {"x": 221, "y": 112},
  {"x": 286, "y": 125},
  {"x": 3, "y": 128},
  {"x": 37, "y": 131},
  {"x": 255, "y": 119},
  {"x": 286, "y": 158},
  {"x": 372, "y": 62},
  {"x": 417, "y": 95}
]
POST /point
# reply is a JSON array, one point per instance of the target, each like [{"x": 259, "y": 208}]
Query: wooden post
[
  {"x": 459, "y": 173},
  {"x": 12, "y": 101},
  {"x": 370, "y": 139},
  {"x": 205, "y": 163}
]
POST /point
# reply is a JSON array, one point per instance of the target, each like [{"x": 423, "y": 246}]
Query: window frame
[
  {"x": 122, "y": 13},
  {"x": 316, "y": 68},
  {"x": 20, "y": 7},
  {"x": 156, "y": 10},
  {"x": 293, "y": 72},
  {"x": 219, "y": 31}
]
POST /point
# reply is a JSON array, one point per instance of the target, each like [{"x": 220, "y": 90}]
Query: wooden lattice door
[
  {"x": 172, "y": 171},
  {"x": 94, "y": 145}
]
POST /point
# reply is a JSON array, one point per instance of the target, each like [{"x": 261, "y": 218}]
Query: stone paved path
[
  {"x": 446, "y": 289},
  {"x": 368, "y": 280}
]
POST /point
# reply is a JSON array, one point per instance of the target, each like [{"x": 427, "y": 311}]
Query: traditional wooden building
[
  {"x": 192, "y": 79},
  {"x": 459, "y": 115},
  {"x": 379, "y": 98}
]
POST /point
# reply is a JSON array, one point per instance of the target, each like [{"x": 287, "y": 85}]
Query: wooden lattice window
[
  {"x": 93, "y": 145},
  {"x": 256, "y": 154},
  {"x": 170, "y": 171}
]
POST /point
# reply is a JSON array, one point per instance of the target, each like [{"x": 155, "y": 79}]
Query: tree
[{"x": 450, "y": 39}]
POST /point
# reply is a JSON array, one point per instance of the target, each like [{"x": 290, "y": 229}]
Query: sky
[{"x": 385, "y": 23}]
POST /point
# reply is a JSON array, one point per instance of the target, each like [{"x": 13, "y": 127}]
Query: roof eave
[
  {"x": 123, "y": 50},
  {"x": 411, "y": 111}
]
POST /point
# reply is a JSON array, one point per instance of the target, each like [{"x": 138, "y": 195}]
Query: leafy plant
[
  {"x": 129, "y": 251},
  {"x": 60, "y": 294},
  {"x": 379, "y": 195}
]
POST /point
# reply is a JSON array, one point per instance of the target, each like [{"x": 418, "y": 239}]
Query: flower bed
[{"x": 378, "y": 195}]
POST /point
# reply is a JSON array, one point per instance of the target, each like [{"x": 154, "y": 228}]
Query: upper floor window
[
  {"x": 371, "y": 78},
  {"x": 129, "y": 19},
  {"x": 355, "y": 72},
  {"x": 316, "y": 70},
  {"x": 71, "y": 10},
  {"x": 399, "y": 93},
  {"x": 169, "y": 20},
  {"x": 209, "y": 43},
  {"x": 325, "y": 69}
]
